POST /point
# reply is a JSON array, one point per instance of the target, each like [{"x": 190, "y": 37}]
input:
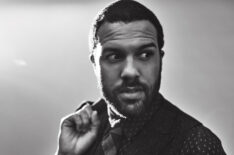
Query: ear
[
  {"x": 91, "y": 57},
  {"x": 161, "y": 52}
]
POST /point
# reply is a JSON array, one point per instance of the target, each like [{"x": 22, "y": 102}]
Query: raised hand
[{"x": 78, "y": 131}]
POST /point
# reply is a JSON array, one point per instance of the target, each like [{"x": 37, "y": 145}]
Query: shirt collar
[{"x": 132, "y": 126}]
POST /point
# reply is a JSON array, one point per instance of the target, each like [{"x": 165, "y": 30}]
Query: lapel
[{"x": 158, "y": 133}]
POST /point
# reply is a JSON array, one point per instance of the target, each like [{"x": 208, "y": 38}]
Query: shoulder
[
  {"x": 181, "y": 120},
  {"x": 200, "y": 140},
  {"x": 190, "y": 136}
]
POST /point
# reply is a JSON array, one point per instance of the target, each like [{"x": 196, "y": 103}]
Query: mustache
[{"x": 132, "y": 86}]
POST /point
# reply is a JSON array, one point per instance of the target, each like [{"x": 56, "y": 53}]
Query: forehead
[{"x": 120, "y": 31}]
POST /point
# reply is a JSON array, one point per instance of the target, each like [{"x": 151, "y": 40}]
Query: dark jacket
[{"x": 163, "y": 135}]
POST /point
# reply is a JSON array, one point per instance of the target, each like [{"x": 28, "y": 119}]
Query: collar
[{"x": 132, "y": 126}]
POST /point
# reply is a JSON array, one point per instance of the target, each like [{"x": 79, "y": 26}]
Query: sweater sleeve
[{"x": 201, "y": 141}]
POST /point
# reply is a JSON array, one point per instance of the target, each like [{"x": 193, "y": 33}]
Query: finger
[
  {"x": 85, "y": 120},
  {"x": 67, "y": 121},
  {"x": 88, "y": 109},
  {"x": 95, "y": 121},
  {"x": 78, "y": 122}
]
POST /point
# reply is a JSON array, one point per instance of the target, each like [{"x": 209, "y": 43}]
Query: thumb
[{"x": 95, "y": 120}]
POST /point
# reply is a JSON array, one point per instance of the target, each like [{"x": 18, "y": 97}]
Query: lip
[
  {"x": 131, "y": 95},
  {"x": 131, "y": 90}
]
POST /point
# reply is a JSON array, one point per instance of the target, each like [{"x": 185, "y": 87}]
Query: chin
[
  {"x": 131, "y": 109},
  {"x": 127, "y": 107}
]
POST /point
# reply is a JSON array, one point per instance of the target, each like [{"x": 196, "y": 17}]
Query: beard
[{"x": 131, "y": 99}]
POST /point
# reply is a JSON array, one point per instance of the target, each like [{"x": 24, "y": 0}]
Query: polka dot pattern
[{"x": 201, "y": 141}]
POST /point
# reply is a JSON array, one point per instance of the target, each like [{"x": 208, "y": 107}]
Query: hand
[{"x": 78, "y": 131}]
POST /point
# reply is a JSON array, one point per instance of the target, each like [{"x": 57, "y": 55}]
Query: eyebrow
[
  {"x": 115, "y": 49},
  {"x": 110, "y": 50},
  {"x": 146, "y": 46}
]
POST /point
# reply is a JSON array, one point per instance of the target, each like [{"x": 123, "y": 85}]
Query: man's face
[{"x": 128, "y": 65}]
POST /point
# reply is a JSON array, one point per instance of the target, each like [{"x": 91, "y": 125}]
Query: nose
[{"x": 130, "y": 71}]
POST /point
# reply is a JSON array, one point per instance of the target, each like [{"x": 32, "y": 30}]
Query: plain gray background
[{"x": 45, "y": 71}]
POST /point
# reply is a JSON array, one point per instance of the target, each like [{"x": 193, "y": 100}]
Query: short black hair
[{"x": 125, "y": 11}]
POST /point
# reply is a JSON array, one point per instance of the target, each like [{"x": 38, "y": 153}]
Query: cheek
[
  {"x": 150, "y": 74},
  {"x": 109, "y": 75}
]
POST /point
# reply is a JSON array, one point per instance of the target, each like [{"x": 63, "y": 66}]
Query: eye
[
  {"x": 145, "y": 55},
  {"x": 114, "y": 57}
]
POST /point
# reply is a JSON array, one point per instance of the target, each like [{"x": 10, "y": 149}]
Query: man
[{"x": 133, "y": 118}]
